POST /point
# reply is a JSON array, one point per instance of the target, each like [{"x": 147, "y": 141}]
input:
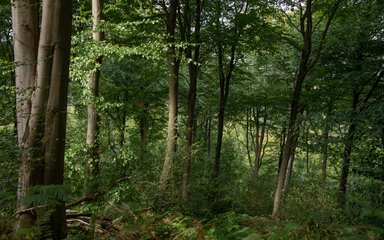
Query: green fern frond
[{"x": 45, "y": 194}]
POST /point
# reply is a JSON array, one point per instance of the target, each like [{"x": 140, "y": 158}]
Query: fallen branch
[
  {"x": 30, "y": 209},
  {"x": 76, "y": 215},
  {"x": 78, "y": 220},
  {"x": 105, "y": 225},
  {"x": 97, "y": 194}
]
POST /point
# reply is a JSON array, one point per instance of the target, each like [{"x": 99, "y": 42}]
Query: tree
[
  {"x": 224, "y": 45},
  {"x": 192, "y": 54},
  {"x": 173, "y": 75},
  {"x": 307, "y": 62},
  {"x": 353, "y": 66},
  {"x": 92, "y": 167},
  {"x": 42, "y": 76}
]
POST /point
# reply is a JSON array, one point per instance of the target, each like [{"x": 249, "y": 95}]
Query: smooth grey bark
[
  {"x": 173, "y": 73},
  {"x": 43, "y": 121},
  {"x": 25, "y": 25},
  {"x": 92, "y": 166}
]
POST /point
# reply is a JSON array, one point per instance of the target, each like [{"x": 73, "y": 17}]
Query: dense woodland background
[{"x": 192, "y": 119}]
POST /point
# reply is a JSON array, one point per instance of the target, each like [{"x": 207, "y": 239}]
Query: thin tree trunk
[
  {"x": 173, "y": 71},
  {"x": 282, "y": 146},
  {"x": 209, "y": 129},
  {"x": 324, "y": 145},
  {"x": 306, "y": 30},
  {"x": 259, "y": 144},
  {"x": 248, "y": 133},
  {"x": 144, "y": 128},
  {"x": 288, "y": 173},
  {"x": 92, "y": 166},
  {"x": 324, "y": 152},
  {"x": 357, "y": 108},
  {"x": 306, "y": 129},
  {"x": 225, "y": 80},
  {"x": 193, "y": 71},
  {"x": 289, "y": 144},
  {"x": 123, "y": 119},
  {"x": 348, "y": 149}
]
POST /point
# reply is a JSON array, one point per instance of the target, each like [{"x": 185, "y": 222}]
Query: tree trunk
[
  {"x": 123, "y": 119},
  {"x": 289, "y": 144},
  {"x": 258, "y": 140},
  {"x": 306, "y": 64},
  {"x": 288, "y": 172},
  {"x": 348, "y": 148},
  {"x": 324, "y": 145},
  {"x": 282, "y": 146},
  {"x": 324, "y": 153},
  {"x": 144, "y": 128},
  {"x": 173, "y": 71},
  {"x": 248, "y": 133},
  {"x": 57, "y": 19},
  {"x": 225, "y": 80},
  {"x": 208, "y": 128},
  {"x": 306, "y": 132},
  {"x": 92, "y": 166},
  {"x": 25, "y": 25},
  {"x": 43, "y": 132},
  {"x": 193, "y": 71},
  {"x": 306, "y": 31},
  {"x": 357, "y": 108}
]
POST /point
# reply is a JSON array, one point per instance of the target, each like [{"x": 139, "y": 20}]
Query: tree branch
[
  {"x": 97, "y": 194},
  {"x": 290, "y": 21},
  {"x": 324, "y": 34}
]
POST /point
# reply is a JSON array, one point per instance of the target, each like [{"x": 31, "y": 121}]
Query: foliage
[{"x": 127, "y": 202}]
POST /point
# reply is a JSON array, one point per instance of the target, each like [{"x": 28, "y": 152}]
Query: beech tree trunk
[
  {"x": 144, "y": 128},
  {"x": 207, "y": 134},
  {"x": 225, "y": 80},
  {"x": 173, "y": 71},
  {"x": 42, "y": 122},
  {"x": 193, "y": 72},
  {"x": 226, "y": 66},
  {"x": 92, "y": 167},
  {"x": 288, "y": 172},
  {"x": 324, "y": 145},
  {"x": 306, "y": 64},
  {"x": 25, "y": 26},
  {"x": 324, "y": 152},
  {"x": 289, "y": 144}
]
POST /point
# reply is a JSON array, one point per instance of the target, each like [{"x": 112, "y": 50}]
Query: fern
[
  {"x": 45, "y": 201},
  {"x": 46, "y": 195}
]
